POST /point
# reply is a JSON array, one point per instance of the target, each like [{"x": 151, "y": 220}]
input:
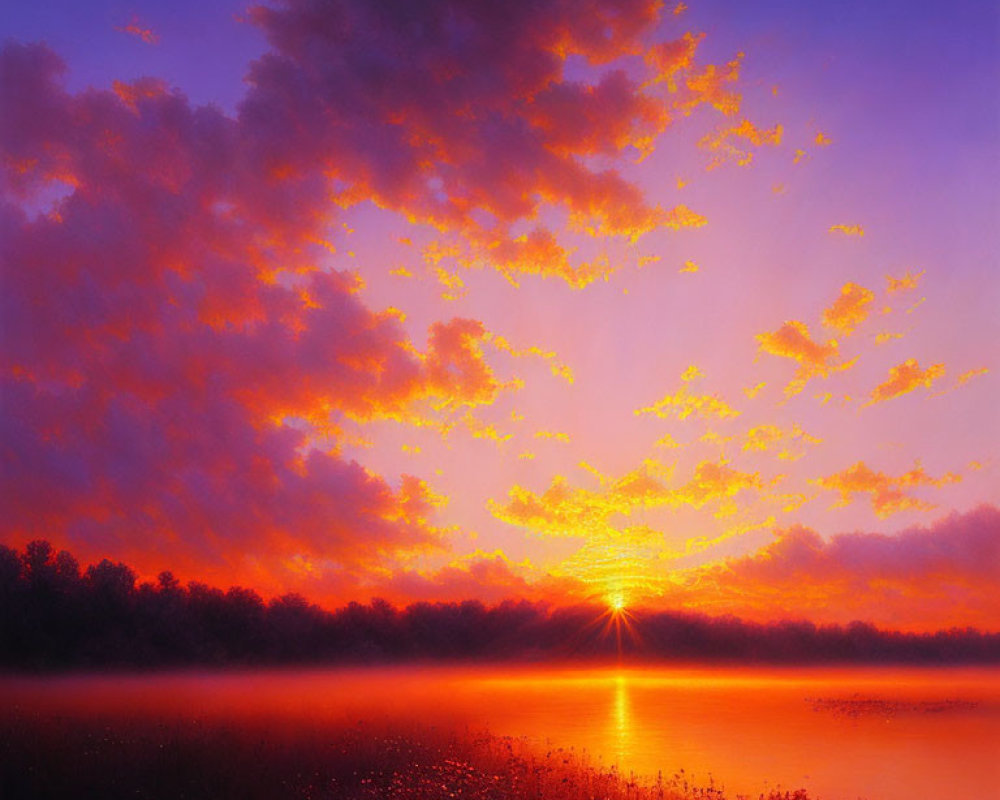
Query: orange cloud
[
  {"x": 457, "y": 373},
  {"x": 850, "y": 309},
  {"x": 480, "y": 576},
  {"x": 887, "y": 493},
  {"x": 710, "y": 86},
  {"x": 135, "y": 28},
  {"x": 904, "y": 378},
  {"x": 534, "y": 253},
  {"x": 669, "y": 60},
  {"x": 489, "y": 577},
  {"x": 792, "y": 341}
]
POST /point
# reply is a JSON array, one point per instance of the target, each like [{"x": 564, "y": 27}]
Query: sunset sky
[{"x": 686, "y": 306}]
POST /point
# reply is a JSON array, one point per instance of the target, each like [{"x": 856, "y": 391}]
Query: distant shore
[{"x": 55, "y": 616}]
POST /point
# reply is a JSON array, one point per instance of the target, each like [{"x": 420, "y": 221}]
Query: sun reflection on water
[{"x": 622, "y": 719}]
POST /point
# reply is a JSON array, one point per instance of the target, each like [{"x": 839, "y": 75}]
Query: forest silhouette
[{"x": 55, "y": 615}]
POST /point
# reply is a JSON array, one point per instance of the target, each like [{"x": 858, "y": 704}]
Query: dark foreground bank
[{"x": 59, "y": 757}]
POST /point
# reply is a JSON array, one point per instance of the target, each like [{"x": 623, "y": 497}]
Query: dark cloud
[{"x": 463, "y": 115}]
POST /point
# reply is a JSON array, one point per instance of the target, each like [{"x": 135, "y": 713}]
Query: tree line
[{"x": 53, "y": 615}]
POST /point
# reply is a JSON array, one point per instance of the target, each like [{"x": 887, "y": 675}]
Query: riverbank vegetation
[{"x": 106, "y": 757}]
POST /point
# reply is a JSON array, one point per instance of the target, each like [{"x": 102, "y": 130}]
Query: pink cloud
[
  {"x": 167, "y": 338},
  {"x": 922, "y": 578}
]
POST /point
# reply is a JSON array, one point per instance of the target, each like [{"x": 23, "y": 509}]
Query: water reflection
[
  {"x": 842, "y": 733},
  {"x": 622, "y": 720}
]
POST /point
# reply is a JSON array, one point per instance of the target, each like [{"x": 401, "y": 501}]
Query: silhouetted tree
[{"x": 52, "y": 616}]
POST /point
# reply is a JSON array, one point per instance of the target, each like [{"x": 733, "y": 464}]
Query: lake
[{"x": 844, "y": 734}]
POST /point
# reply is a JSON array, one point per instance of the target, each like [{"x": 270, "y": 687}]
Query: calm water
[{"x": 843, "y": 734}]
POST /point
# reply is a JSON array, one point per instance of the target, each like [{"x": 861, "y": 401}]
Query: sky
[{"x": 683, "y": 306}]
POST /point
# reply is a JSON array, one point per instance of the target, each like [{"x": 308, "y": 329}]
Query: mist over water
[{"x": 841, "y": 733}]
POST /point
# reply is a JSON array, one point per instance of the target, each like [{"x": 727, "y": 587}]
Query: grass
[{"x": 108, "y": 757}]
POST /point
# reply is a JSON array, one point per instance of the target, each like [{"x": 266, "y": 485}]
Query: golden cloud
[
  {"x": 965, "y": 377},
  {"x": 553, "y": 435},
  {"x": 848, "y": 230},
  {"x": 683, "y": 403},
  {"x": 736, "y": 142},
  {"x": 904, "y": 283},
  {"x": 766, "y": 438},
  {"x": 556, "y": 367}
]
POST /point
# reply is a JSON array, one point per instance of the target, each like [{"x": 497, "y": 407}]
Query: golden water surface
[{"x": 881, "y": 734}]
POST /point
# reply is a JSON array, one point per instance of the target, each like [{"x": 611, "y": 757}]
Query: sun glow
[{"x": 618, "y": 621}]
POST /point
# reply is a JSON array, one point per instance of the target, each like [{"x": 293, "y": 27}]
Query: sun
[{"x": 616, "y": 602}]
